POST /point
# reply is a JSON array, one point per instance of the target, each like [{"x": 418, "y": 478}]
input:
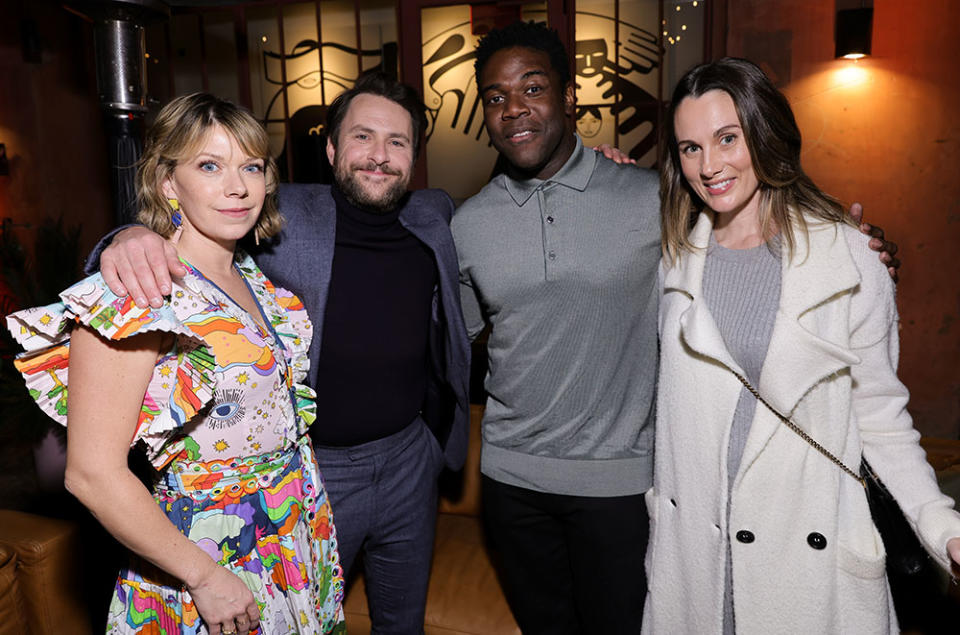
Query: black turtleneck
[{"x": 373, "y": 361}]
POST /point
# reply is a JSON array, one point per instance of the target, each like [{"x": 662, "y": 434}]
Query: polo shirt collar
[{"x": 575, "y": 174}]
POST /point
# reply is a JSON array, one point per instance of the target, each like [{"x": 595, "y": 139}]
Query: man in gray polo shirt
[{"x": 559, "y": 255}]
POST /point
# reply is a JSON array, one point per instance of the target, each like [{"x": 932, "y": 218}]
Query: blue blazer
[{"x": 300, "y": 259}]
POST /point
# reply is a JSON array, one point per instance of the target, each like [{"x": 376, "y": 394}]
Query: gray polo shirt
[{"x": 565, "y": 272}]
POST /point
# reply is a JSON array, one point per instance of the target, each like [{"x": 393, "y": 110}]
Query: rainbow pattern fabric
[{"x": 224, "y": 421}]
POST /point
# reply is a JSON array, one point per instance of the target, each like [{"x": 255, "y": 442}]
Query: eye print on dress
[{"x": 227, "y": 410}]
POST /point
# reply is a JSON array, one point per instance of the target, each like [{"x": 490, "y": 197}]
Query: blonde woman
[{"x": 235, "y": 533}]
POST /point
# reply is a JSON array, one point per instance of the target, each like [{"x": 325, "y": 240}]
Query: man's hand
[
  {"x": 887, "y": 248},
  {"x": 139, "y": 262},
  {"x": 614, "y": 154}
]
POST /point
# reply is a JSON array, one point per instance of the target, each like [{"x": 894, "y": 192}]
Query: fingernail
[
  {"x": 165, "y": 290},
  {"x": 121, "y": 291},
  {"x": 156, "y": 301},
  {"x": 140, "y": 300}
]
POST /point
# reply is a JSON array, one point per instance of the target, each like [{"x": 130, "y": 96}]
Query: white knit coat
[{"x": 831, "y": 367}]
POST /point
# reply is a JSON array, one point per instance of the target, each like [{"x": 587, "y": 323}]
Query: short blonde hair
[{"x": 179, "y": 128}]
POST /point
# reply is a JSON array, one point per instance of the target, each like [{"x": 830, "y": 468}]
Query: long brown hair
[
  {"x": 787, "y": 194},
  {"x": 178, "y": 130}
]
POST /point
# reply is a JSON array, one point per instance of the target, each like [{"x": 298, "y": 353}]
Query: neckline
[{"x": 263, "y": 326}]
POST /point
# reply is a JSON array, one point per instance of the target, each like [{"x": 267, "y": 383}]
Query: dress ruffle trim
[
  {"x": 184, "y": 379},
  {"x": 44, "y": 333}
]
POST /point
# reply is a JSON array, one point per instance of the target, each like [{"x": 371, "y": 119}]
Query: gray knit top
[{"x": 742, "y": 291}]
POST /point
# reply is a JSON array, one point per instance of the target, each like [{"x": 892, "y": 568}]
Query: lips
[
  {"x": 235, "y": 212},
  {"x": 719, "y": 187},
  {"x": 520, "y": 135}
]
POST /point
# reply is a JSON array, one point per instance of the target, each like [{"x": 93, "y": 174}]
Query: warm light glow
[
  {"x": 263, "y": 39},
  {"x": 678, "y": 7},
  {"x": 664, "y": 32},
  {"x": 683, "y": 27},
  {"x": 694, "y": 2},
  {"x": 853, "y": 56},
  {"x": 851, "y": 75},
  {"x": 671, "y": 40},
  {"x": 678, "y": 38}
]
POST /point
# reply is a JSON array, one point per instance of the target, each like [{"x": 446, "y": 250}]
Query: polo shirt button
[
  {"x": 552, "y": 255},
  {"x": 817, "y": 540},
  {"x": 746, "y": 537},
  {"x": 550, "y": 219}
]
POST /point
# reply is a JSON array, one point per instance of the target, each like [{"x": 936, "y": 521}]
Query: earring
[{"x": 176, "y": 219}]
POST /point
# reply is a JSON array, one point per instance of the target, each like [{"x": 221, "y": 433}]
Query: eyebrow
[
  {"x": 392, "y": 135},
  {"x": 718, "y": 133},
  {"x": 526, "y": 75}
]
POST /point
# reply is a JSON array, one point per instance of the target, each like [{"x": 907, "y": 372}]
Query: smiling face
[
  {"x": 373, "y": 157},
  {"x": 220, "y": 189},
  {"x": 714, "y": 156},
  {"x": 527, "y": 112}
]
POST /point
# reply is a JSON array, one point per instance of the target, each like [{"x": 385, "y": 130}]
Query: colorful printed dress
[{"x": 224, "y": 422}]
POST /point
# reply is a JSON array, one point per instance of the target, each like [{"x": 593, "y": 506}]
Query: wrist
[{"x": 199, "y": 572}]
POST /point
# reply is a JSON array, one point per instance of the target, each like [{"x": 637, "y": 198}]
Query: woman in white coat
[{"x": 752, "y": 529}]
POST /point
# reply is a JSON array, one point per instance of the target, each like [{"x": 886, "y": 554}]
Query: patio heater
[{"x": 119, "y": 46}]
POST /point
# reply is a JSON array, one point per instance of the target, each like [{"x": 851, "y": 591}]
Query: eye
[
  {"x": 728, "y": 139},
  {"x": 361, "y": 136},
  {"x": 209, "y": 166},
  {"x": 495, "y": 99},
  {"x": 227, "y": 409},
  {"x": 253, "y": 168},
  {"x": 398, "y": 143},
  {"x": 533, "y": 90},
  {"x": 689, "y": 149}
]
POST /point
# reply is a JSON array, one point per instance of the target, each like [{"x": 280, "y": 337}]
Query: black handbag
[{"x": 906, "y": 557}]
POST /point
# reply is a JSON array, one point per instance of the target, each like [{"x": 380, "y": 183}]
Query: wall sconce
[
  {"x": 4, "y": 164},
  {"x": 854, "y": 27}
]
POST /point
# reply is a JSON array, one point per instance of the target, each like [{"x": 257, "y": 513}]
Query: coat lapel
[
  {"x": 805, "y": 346},
  {"x": 697, "y": 326}
]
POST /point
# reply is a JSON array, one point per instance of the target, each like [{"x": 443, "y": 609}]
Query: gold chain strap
[{"x": 803, "y": 435}]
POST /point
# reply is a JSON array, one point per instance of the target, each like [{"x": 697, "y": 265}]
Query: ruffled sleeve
[{"x": 182, "y": 382}]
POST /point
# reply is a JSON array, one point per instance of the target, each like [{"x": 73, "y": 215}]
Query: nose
[
  {"x": 378, "y": 152},
  {"x": 514, "y": 107},
  {"x": 710, "y": 163},
  {"x": 235, "y": 183}
]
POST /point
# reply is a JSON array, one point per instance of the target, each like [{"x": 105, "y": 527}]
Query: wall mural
[{"x": 616, "y": 88}]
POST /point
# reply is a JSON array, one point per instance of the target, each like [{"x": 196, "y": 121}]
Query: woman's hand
[
  {"x": 224, "y": 602},
  {"x": 953, "y": 548}
]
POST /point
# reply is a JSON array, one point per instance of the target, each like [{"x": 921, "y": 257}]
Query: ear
[
  {"x": 331, "y": 151},
  {"x": 569, "y": 99},
  {"x": 166, "y": 186}
]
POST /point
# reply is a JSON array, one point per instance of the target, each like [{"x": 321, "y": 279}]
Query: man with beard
[{"x": 376, "y": 268}]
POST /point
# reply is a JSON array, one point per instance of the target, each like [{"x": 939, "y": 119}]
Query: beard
[{"x": 354, "y": 191}]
